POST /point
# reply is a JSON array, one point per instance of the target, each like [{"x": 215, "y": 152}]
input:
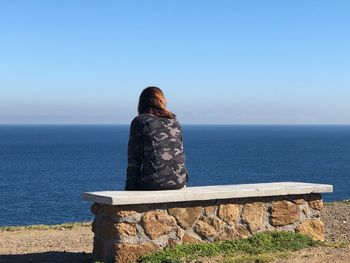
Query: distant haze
[{"x": 218, "y": 62}]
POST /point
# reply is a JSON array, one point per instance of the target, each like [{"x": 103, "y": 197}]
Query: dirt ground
[
  {"x": 46, "y": 245},
  {"x": 75, "y": 245}
]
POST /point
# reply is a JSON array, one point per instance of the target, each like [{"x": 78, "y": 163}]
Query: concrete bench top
[{"x": 205, "y": 193}]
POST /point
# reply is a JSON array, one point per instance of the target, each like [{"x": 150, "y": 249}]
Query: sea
[{"x": 44, "y": 169}]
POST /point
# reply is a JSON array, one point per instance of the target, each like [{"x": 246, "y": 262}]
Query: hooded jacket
[{"x": 156, "y": 158}]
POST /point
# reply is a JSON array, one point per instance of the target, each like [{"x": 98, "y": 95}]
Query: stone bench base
[{"x": 125, "y": 232}]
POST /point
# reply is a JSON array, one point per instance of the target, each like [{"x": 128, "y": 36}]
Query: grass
[
  {"x": 245, "y": 258},
  {"x": 46, "y": 227},
  {"x": 345, "y": 201},
  {"x": 262, "y": 247}
]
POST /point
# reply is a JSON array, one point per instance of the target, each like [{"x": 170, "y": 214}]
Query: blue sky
[{"x": 227, "y": 62}]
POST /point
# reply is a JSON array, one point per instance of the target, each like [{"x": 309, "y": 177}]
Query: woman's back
[{"x": 156, "y": 159}]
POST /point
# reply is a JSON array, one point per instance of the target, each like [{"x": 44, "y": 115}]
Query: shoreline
[{"x": 63, "y": 226}]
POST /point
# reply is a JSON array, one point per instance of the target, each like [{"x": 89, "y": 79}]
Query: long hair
[{"x": 152, "y": 100}]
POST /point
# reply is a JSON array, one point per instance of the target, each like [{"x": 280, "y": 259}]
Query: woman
[{"x": 156, "y": 159}]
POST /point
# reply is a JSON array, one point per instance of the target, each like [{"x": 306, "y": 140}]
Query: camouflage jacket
[{"x": 156, "y": 159}]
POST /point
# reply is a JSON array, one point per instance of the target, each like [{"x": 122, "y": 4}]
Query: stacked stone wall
[{"x": 124, "y": 233}]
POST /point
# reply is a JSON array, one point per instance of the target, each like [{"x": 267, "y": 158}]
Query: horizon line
[{"x": 199, "y": 124}]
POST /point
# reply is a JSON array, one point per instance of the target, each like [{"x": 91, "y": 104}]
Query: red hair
[{"x": 152, "y": 100}]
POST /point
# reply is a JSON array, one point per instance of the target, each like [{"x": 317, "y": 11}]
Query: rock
[
  {"x": 158, "y": 223},
  {"x": 172, "y": 242},
  {"x": 128, "y": 216},
  {"x": 299, "y": 201},
  {"x": 316, "y": 204},
  {"x": 204, "y": 229},
  {"x": 313, "y": 228},
  {"x": 208, "y": 227},
  {"x": 179, "y": 233},
  {"x": 284, "y": 213},
  {"x": 305, "y": 211},
  {"x": 209, "y": 210},
  {"x": 315, "y": 201},
  {"x": 229, "y": 213},
  {"x": 189, "y": 238},
  {"x": 215, "y": 222},
  {"x": 126, "y": 213},
  {"x": 186, "y": 217},
  {"x": 229, "y": 234},
  {"x": 121, "y": 215},
  {"x": 253, "y": 214},
  {"x": 242, "y": 231},
  {"x": 233, "y": 232},
  {"x": 316, "y": 213},
  {"x": 126, "y": 230},
  {"x": 127, "y": 253}
]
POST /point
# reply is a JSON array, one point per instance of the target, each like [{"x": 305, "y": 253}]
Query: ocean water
[{"x": 44, "y": 169}]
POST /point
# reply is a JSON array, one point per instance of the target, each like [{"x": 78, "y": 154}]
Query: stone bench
[{"x": 129, "y": 224}]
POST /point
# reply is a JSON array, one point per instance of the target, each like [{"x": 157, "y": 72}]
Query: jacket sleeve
[
  {"x": 181, "y": 140},
  {"x": 182, "y": 148},
  {"x": 135, "y": 155}
]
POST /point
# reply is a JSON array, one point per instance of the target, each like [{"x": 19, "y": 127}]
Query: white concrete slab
[{"x": 205, "y": 193}]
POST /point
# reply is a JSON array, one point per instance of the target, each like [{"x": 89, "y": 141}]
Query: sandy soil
[
  {"x": 75, "y": 245},
  {"x": 48, "y": 245}
]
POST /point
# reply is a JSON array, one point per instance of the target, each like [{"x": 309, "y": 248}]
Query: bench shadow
[{"x": 48, "y": 257}]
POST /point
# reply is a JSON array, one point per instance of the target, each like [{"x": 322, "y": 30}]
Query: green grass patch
[
  {"x": 46, "y": 227},
  {"x": 258, "y": 246}
]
